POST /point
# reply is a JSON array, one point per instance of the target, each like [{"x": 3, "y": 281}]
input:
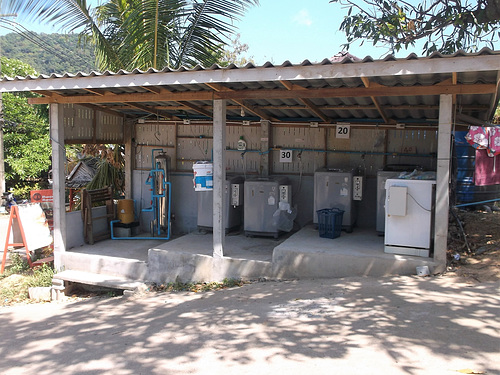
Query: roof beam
[
  {"x": 380, "y": 110},
  {"x": 307, "y": 102},
  {"x": 103, "y": 109},
  {"x": 153, "y": 111},
  {"x": 45, "y": 93},
  {"x": 473, "y": 107},
  {"x": 154, "y": 90},
  {"x": 252, "y": 109},
  {"x": 353, "y": 92},
  {"x": 196, "y": 108},
  {"x": 315, "y": 109},
  {"x": 239, "y": 95},
  {"x": 96, "y": 92}
]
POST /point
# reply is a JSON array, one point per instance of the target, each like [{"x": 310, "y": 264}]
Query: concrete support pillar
[
  {"x": 442, "y": 183},
  {"x": 219, "y": 160},
  {"x": 265, "y": 139},
  {"x": 128, "y": 128},
  {"x": 58, "y": 178}
]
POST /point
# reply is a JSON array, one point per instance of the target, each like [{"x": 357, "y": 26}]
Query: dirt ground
[{"x": 479, "y": 255}]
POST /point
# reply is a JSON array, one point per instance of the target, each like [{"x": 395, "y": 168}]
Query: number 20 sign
[{"x": 343, "y": 131}]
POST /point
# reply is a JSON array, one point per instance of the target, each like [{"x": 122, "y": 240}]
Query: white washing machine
[
  {"x": 382, "y": 177},
  {"x": 389, "y": 171},
  {"x": 409, "y": 216}
]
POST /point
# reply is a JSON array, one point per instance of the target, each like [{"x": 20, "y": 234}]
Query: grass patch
[
  {"x": 198, "y": 287},
  {"x": 18, "y": 277}
]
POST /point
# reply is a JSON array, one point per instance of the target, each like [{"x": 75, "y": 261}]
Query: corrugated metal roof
[{"x": 288, "y": 92}]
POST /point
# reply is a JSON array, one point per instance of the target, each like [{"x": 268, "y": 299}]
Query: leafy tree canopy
[
  {"x": 231, "y": 54},
  {"x": 26, "y": 135},
  {"x": 445, "y": 26}
]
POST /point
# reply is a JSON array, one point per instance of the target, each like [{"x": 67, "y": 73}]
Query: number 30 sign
[
  {"x": 343, "y": 131},
  {"x": 285, "y": 156}
]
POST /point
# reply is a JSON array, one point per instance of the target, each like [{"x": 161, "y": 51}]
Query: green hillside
[{"x": 49, "y": 53}]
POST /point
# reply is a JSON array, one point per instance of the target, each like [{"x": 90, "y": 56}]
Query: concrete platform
[
  {"x": 360, "y": 253},
  {"x": 189, "y": 258}
]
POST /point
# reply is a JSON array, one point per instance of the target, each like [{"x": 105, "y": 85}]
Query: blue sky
[{"x": 294, "y": 30}]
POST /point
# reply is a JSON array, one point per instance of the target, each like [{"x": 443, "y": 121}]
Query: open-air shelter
[{"x": 200, "y": 113}]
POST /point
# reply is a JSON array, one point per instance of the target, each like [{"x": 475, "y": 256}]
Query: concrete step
[
  {"x": 108, "y": 281},
  {"x": 100, "y": 264}
]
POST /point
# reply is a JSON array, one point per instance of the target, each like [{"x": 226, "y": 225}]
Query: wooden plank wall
[
  {"x": 366, "y": 151},
  {"x": 85, "y": 125}
]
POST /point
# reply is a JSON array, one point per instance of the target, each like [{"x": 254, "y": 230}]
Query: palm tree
[{"x": 130, "y": 34}]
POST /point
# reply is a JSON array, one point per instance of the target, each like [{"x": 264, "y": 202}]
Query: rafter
[
  {"x": 45, "y": 93},
  {"x": 342, "y": 92},
  {"x": 154, "y": 90},
  {"x": 307, "y": 102},
  {"x": 103, "y": 109},
  {"x": 197, "y": 108},
  {"x": 153, "y": 111},
  {"x": 474, "y": 107},
  {"x": 292, "y": 86},
  {"x": 97, "y": 92},
  {"x": 252, "y": 109},
  {"x": 375, "y": 101}
]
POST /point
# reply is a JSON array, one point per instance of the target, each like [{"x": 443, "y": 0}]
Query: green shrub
[
  {"x": 18, "y": 264},
  {"x": 14, "y": 289}
]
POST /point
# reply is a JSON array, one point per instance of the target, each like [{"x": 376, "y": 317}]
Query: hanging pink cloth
[
  {"x": 478, "y": 137},
  {"x": 487, "y": 170},
  {"x": 494, "y": 141}
]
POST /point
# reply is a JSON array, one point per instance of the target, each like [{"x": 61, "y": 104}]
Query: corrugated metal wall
[{"x": 464, "y": 158}]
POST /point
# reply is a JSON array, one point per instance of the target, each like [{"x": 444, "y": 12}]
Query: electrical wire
[{"x": 418, "y": 204}]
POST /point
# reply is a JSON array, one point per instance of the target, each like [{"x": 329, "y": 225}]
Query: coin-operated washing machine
[
  {"x": 409, "y": 216},
  {"x": 264, "y": 197},
  {"x": 232, "y": 205},
  {"x": 389, "y": 171},
  {"x": 333, "y": 188}
]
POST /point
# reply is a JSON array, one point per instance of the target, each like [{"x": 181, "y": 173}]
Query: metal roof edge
[{"x": 336, "y": 69}]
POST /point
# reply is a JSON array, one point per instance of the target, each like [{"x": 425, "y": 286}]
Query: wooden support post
[{"x": 71, "y": 199}]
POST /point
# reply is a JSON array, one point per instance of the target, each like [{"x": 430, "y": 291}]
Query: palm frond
[{"x": 130, "y": 34}]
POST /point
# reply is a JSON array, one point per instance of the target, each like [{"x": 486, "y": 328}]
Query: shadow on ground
[{"x": 400, "y": 325}]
